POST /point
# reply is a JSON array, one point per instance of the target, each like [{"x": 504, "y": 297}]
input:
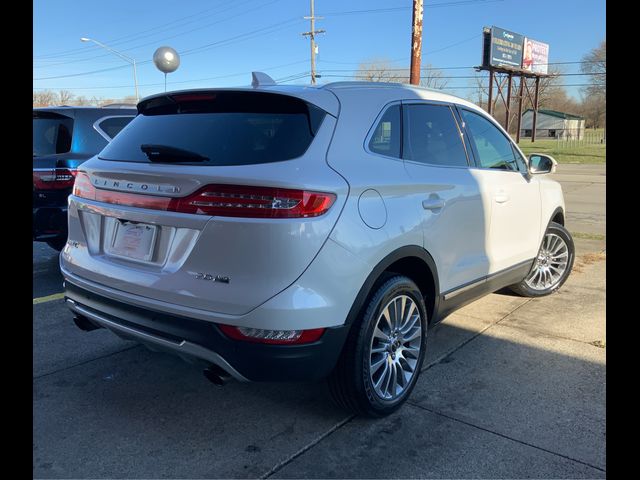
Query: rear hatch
[{"x": 214, "y": 200}]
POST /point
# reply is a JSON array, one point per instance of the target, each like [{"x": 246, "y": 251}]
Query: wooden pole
[{"x": 416, "y": 42}]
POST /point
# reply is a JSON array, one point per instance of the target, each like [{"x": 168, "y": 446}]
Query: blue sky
[{"x": 222, "y": 41}]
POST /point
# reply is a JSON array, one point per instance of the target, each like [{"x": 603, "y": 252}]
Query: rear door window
[
  {"x": 51, "y": 133},
  {"x": 431, "y": 135},
  {"x": 223, "y": 128}
]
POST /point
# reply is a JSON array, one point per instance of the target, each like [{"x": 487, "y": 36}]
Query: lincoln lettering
[{"x": 140, "y": 187}]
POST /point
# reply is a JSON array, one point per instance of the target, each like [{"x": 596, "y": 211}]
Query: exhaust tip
[
  {"x": 216, "y": 375},
  {"x": 83, "y": 323}
]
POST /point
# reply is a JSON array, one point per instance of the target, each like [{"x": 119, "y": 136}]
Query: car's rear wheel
[
  {"x": 57, "y": 243},
  {"x": 381, "y": 360},
  {"x": 552, "y": 266}
]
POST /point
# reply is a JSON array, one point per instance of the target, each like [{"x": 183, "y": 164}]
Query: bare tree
[
  {"x": 594, "y": 103},
  {"x": 595, "y": 65},
  {"x": 594, "y": 109},
  {"x": 129, "y": 99},
  {"x": 81, "y": 100},
  {"x": 44, "y": 98},
  {"x": 431, "y": 77},
  {"x": 65, "y": 97},
  {"x": 382, "y": 70}
]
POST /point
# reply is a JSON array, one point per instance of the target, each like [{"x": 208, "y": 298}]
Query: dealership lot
[{"x": 512, "y": 387}]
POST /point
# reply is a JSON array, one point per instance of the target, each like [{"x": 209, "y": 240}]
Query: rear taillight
[
  {"x": 255, "y": 202},
  {"x": 220, "y": 200},
  {"x": 53, "y": 178},
  {"x": 273, "y": 337}
]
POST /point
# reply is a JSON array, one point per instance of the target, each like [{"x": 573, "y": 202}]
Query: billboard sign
[
  {"x": 535, "y": 56},
  {"x": 506, "y": 48}
]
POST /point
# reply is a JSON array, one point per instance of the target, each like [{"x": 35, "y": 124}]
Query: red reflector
[
  {"x": 272, "y": 337},
  {"x": 220, "y": 200},
  {"x": 53, "y": 179}
]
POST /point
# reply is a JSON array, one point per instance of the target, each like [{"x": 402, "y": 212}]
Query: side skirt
[{"x": 457, "y": 298}]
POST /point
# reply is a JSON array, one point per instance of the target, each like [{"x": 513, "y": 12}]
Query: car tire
[
  {"x": 57, "y": 243},
  {"x": 362, "y": 384},
  {"x": 552, "y": 265}
]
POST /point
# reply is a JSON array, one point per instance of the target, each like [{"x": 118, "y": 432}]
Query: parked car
[
  {"x": 63, "y": 138},
  {"x": 283, "y": 233}
]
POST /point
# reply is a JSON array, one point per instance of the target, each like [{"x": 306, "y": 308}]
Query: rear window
[
  {"x": 51, "y": 133},
  {"x": 111, "y": 126},
  {"x": 227, "y": 128}
]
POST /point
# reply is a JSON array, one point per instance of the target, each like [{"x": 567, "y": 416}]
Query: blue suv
[{"x": 63, "y": 138}]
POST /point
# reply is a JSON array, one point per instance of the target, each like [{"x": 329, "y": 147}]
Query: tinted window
[
  {"x": 493, "y": 148},
  {"x": 51, "y": 133},
  {"x": 386, "y": 137},
  {"x": 112, "y": 126},
  {"x": 228, "y": 128},
  {"x": 431, "y": 136},
  {"x": 520, "y": 160}
]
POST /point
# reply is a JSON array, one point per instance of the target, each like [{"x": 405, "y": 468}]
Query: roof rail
[{"x": 119, "y": 105}]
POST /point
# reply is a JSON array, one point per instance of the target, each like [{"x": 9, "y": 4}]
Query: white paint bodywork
[{"x": 306, "y": 273}]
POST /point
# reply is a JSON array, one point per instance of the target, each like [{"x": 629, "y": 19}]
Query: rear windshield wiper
[{"x": 168, "y": 154}]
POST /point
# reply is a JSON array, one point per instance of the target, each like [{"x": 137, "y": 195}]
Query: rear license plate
[{"x": 134, "y": 240}]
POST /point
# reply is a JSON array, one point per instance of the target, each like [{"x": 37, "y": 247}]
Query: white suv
[{"x": 284, "y": 233}]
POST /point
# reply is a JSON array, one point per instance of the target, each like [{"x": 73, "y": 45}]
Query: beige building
[{"x": 553, "y": 124}]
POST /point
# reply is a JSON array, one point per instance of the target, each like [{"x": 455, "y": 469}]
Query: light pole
[{"x": 132, "y": 61}]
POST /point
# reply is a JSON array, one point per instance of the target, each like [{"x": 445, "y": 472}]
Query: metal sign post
[{"x": 506, "y": 55}]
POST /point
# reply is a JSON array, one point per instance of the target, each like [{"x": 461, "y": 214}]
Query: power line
[
  {"x": 461, "y": 76},
  {"x": 446, "y": 68},
  {"x": 174, "y": 82},
  {"x": 132, "y": 36},
  {"x": 155, "y": 42},
  {"x": 217, "y": 43},
  {"x": 397, "y": 9},
  {"x": 252, "y": 34}
]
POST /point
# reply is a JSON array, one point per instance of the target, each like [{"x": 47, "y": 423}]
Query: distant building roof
[{"x": 555, "y": 113}]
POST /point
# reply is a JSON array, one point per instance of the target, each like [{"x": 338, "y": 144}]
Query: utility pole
[
  {"x": 416, "y": 42},
  {"x": 312, "y": 36}
]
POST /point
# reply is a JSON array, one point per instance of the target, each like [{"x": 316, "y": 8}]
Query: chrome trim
[
  {"x": 372, "y": 130},
  {"x": 150, "y": 303},
  {"x": 182, "y": 348},
  {"x": 449, "y": 295},
  {"x": 96, "y": 125},
  {"x": 457, "y": 291}
]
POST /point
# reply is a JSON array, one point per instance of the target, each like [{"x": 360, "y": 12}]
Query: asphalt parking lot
[{"x": 511, "y": 387}]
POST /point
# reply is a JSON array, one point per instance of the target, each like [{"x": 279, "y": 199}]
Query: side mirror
[{"x": 540, "y": 164}]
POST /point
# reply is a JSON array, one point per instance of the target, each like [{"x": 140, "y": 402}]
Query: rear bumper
[
  {"x": 202, "y": 342},
  {"x": 49, "y": 222}
]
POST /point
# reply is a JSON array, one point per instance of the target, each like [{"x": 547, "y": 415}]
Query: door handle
[
  {"x": 432, "y": 204},
  {"x": 501, "y": 197}
]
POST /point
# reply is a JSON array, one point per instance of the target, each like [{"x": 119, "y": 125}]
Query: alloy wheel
[
  {"x": 550, "y": 264},
  {"x": 395, "y": 347}
]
